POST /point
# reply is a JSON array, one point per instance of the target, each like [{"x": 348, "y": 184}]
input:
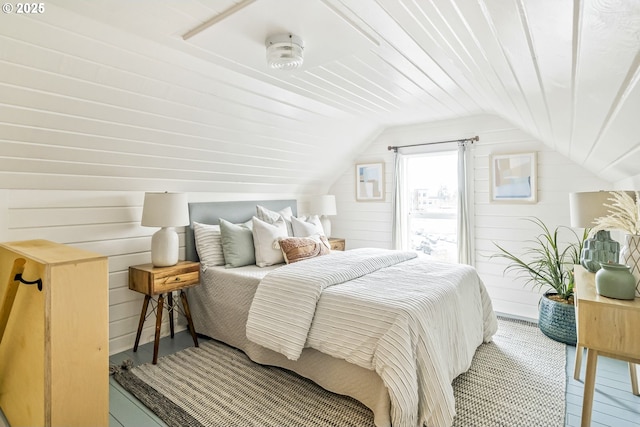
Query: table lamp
[
  {"x": 324, "y": 206},
  {"x": 166, "y": 210},
  {"x": 584, "y": 208}
]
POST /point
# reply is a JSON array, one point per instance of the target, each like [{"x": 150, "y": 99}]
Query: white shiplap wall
[
  {"x": 91, "y": 117},
  {"x": 85, "y": 106},
  {"x": 106, "y": 222},
  {"x": 369, "y": 224}
]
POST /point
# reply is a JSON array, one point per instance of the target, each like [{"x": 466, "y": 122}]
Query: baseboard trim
[{"x": 516, "y": 317}]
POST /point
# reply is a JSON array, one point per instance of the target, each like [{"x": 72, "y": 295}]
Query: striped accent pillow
[
  {"x": 296, "y": 249},
  {"x": 208, "y": 244}
]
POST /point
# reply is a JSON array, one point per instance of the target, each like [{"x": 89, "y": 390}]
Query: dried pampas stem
[{"x": 624, "y": 214}]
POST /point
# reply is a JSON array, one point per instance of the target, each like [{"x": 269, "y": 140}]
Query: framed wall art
[
  {"x": 370, "y": 182},
  {"x": 513, "y": 178}
]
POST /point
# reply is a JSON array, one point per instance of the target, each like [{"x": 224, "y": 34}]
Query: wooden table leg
[
  {"x": 170, "y": 307},
  {"x": 589, "y": 386},
  {"x": 578, "y": 362},
  {"x": 187, "y": 313},
  {"x": 143, "y": 315},
  {"x": 156, "y": 343},
  {"x": 634, "y": 378}
]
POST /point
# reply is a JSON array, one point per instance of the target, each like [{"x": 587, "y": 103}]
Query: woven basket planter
[{"x": 557, "y": 320}]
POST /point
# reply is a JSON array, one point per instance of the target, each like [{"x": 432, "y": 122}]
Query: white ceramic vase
[{"x": 630, "y": 255}]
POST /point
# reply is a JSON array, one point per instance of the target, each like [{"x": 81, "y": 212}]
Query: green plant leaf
[{"x": 543, "y": 264}]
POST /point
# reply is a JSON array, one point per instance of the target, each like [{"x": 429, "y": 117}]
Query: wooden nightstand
[
  {"x": 606, "y": 327},
  {"x": 151, "y": 281},
  {"x": 337, "y": 244}
]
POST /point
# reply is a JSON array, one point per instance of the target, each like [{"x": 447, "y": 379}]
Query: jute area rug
[{"x": 517, "y": 380}]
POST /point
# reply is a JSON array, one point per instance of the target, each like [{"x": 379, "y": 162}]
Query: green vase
[{"x": 616, "y": 281}]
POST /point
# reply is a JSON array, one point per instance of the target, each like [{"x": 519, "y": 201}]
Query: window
[{"x": 431, "y": 195}]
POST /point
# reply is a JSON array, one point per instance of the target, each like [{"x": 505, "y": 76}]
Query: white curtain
[
  {"x": 399, "y": 230},
  {"x": 465, "y": 236}
]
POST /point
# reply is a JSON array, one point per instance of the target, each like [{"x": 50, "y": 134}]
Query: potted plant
[{"x": 548, "y": 264}]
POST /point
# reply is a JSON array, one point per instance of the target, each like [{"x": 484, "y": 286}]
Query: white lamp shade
[
  {"x": 324, "y": 205},
  {"x": 165, "y": 210},
  {"x": 585, "y": 207}
]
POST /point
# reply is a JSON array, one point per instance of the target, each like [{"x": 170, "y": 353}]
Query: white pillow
[
  {"x": 208, "y": 244},
  {"x": 306, "y": 227},
  {"x": 265, "y": 241},
  {"x": 270, "y": 216}
]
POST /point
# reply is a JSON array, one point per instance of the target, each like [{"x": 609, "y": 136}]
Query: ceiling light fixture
[{"x": 284, "y": 51}]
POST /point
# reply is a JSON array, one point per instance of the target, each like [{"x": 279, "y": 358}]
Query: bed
[{"x": 222, "y": 309}]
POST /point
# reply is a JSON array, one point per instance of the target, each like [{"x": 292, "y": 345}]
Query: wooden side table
[
  {"x": 152, "y": 281},
  {"x": 337, "y": 244},
  {"x": 606, "y": 327}
]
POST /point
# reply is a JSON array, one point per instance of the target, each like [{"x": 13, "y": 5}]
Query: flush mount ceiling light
[{"x": 284, "y": 51}]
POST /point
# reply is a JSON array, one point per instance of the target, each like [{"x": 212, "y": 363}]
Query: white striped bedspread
[{"x": 416, "y": 322}]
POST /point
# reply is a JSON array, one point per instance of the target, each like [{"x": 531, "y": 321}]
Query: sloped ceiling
[{"x": 113, "y": 84}]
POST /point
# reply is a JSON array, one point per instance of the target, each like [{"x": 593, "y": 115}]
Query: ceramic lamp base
[
  {"x": 164, "y": 247},
  {"x": 599, "y": 249},
  {"x": 326, "y": 225}
]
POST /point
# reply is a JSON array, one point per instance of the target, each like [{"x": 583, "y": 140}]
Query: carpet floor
[{"x": 516, "y": 380}]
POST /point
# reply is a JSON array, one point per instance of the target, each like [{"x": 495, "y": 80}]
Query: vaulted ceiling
[{"x": 121, "y": 74}]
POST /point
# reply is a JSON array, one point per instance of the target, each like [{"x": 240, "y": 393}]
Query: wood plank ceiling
[{"x": 112, "y": 84}]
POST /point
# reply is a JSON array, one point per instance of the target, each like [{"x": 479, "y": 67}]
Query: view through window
[{"x": 432, "y": 181}]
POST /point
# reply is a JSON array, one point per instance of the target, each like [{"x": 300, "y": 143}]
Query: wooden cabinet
[
  {"x": 54, "y": 353},
  {"x": 337, "y": 244}
]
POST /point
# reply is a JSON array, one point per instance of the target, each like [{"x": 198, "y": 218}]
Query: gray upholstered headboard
[{"x": 236, "y": 212}]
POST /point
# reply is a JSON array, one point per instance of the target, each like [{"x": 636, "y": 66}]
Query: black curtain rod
[{"x": 471, "y": 140}]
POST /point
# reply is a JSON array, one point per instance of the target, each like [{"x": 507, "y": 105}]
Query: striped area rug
[{"x": 517, "y": 380}]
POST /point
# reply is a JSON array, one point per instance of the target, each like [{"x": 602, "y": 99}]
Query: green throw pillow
[{"x": 237, "y": 244}]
